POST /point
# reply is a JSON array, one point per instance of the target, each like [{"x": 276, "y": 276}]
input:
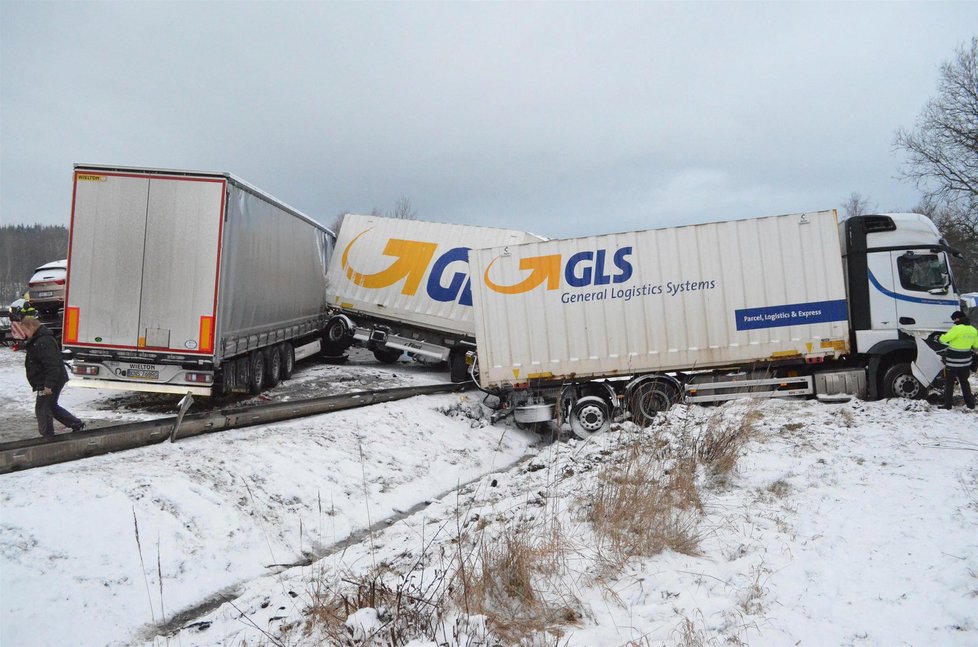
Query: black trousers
[
  {"x": 47, "y": 410},
  {"x": 960, "y": 374}
]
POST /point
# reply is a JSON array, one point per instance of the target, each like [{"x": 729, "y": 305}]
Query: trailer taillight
[
  {"x": 200, "y": 378},
  {"x": 84, "y": 369}
]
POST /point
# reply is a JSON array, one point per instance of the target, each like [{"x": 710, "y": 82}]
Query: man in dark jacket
[{"x": 47, "y": 375}]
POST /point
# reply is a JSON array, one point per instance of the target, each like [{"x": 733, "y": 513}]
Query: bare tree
[
  {"x": 402, "y": 210},
  {"x": 856, "y": 205},
  {"x": 961, "y": 234},
  {"x": 943, "y": 146}
]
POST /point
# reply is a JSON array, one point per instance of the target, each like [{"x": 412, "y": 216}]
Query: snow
[{"x": 842, "y": 524}]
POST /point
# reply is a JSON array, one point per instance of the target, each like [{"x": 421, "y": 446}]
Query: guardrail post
[{"x": 185, "y": 403}]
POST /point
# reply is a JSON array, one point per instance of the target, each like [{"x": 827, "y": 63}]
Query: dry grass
[
  {"x": 779, "y": 488},
  {"x": 402, "y": 608},
  {"x": 641, "y": 507},
  {"x": 513, "y": 576},
  {"x": 752, "y": 596},
  {"x": 721, "y": 444},
  {"x": 518, "y": 582}
]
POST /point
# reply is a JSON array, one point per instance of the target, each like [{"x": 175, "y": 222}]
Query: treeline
[
  {"x": 22, "y": 249},
  {"x": 960, "y": 229}
]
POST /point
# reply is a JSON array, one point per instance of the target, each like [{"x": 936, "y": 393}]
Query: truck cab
[{"x": 900, "y": 288}]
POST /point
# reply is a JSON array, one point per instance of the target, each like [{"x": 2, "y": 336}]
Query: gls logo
[
  {"x": 412, "y": 260},
  {"x": 582, "y": 269}
]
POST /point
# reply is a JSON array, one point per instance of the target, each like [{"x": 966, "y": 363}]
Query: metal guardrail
[{"x": 38, "y": 452}]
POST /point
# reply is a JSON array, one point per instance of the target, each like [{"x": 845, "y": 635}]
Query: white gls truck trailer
[
  {"x": 184, "y": 281},
  {"x": 403, "y": 286},
  {"x": 589, "y": 329}
]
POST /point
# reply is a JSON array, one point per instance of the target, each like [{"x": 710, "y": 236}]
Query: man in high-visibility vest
[{"x": 962, "y": 342}]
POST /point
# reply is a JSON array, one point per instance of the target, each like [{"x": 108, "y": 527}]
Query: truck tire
[
  {"x": 387, "y": 355},
  {"x": 336, "y": 337},
  {"x": 256, "y": 372},
  {"x": 458, "y": 369},
  {"x": 273, "y": 359},
  {"x": 899, "y": 382},
  {"x": 590, "y": 416},
  {"x": 650, "y": 398},
  {"x": 288, "y": 359}
]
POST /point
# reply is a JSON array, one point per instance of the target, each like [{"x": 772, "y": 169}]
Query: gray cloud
[{"x": 563, "y": 118}]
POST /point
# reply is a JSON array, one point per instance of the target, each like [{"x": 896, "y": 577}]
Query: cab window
[{"x": 922, "y": 272}]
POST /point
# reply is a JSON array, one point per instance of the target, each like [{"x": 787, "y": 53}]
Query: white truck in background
[
  {"x": 403, "y": 286},
  {"x": 589, "y": 329},
  {"x": 185, "y": 281}
]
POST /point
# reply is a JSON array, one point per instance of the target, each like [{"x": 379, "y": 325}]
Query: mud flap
[{"x": 928, "y": 364}]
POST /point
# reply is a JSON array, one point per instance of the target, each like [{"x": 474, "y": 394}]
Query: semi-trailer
[
  {"x": 403, "y": 286},
  {"x": 591, "y": 329},
  {"x": 186, "y": 281}
]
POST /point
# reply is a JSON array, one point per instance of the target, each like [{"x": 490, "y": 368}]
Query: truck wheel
[
  {"x": 256, "y": 374},
  {"x": 288, "y": 359},
  {"x": 387, "y": 355},
  {"x": 458, "y": 369},
  {"x": 336, "y": 339},
  {"x": 651, "y": 398},
  {"x": 274, "y": 363},
  {"x": 899, "y": 382},
  {"x": 590, "y": 416}
]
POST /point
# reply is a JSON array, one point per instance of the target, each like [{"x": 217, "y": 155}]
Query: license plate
[
  {"x": 142, "y": 374},
  {"x": 43, "y": 295}
]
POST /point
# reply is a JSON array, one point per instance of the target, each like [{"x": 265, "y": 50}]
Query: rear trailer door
[{"x": 143, "y": 262}]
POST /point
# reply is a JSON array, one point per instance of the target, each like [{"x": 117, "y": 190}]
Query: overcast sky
[{"x": 565, "y": 119}]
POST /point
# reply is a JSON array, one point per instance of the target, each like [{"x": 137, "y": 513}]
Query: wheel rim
[
  {"x": 335, "y": 332},
  {"x": 590, "y": 416},
  {"x": 906, "y": 386}
]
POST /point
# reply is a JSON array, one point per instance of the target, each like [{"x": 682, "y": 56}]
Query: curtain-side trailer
[
  {"x": 403, "y": 286},
  {"x": 185, "y": 281},
  {"x": 587, "y": 329}
]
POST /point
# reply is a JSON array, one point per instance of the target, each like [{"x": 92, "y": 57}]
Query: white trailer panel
[
  {"x": 143, "y": 261},
  {"x": 183, "y": 267},
  {"x": 681, "y": 298},
  {"x": 409, "y": 271}
]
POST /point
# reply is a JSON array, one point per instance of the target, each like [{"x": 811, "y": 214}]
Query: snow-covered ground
[
  {"x": 108, "y": 407},
  {"x": 843, "y": 524}
]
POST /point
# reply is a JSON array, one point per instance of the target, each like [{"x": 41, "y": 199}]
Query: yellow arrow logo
[
  {"x": 412, "y": 260},
  {"x": 542, "y": 269}
]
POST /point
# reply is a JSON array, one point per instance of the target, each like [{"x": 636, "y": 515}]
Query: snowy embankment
[
  {"x": 847, "y": 524},
  {"x": 213, "y": 512}
]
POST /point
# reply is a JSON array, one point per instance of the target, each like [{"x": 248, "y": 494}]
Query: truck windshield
[{"x": 922, "y": 272}]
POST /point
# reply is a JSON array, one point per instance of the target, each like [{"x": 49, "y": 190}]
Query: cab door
[{"x": 882, "y": 305}]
